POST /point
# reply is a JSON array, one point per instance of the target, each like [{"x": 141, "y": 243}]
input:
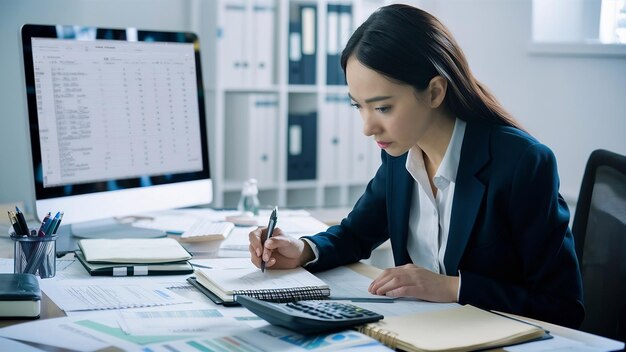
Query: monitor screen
[{"x": 117, "y": 121}]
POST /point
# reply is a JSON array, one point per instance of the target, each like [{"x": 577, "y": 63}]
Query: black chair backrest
[{"x": 600, "y": 233}]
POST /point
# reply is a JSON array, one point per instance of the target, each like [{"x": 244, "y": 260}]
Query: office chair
[{"x": 600, "y": 234}]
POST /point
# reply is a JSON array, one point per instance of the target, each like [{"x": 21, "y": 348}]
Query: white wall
[{"x": 572, "y": 104}]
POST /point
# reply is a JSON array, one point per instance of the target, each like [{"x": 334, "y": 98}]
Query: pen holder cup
[{"x": 35, "y": 255}]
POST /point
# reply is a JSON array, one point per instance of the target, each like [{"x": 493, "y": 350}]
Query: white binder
[
  {"x": 251, "y": 138},
  {"x": 231, "y": 43},
  {"x": 334, "y": 136},
  {"x": 263, "y": 43},
  {"x": 359, "y": 147}
]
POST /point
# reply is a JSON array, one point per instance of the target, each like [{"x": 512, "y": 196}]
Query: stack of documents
[{"x": 133, "y": 257}]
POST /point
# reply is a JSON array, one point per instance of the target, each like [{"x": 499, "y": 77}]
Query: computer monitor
[{"x": 117, "y": 121}]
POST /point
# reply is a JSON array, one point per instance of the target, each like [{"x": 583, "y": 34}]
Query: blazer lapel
[
  {"x": 399, "y": 190},
  {"x": 468, "y": 192}
]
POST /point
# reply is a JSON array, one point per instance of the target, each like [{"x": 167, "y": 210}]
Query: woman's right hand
[{"x": 280, "y": 251}]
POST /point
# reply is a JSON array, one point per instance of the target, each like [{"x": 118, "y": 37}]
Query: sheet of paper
[
  {"x": 6, "y": 265},
  {"x": 271, "y": 338},
  {"x": 58, "y": 332},
  {"x": 557, "y": 343},
  {"x": 344, "y": 282},
  {"x": 169, "y": 223},
  {"x": 177, "y": 321},
  {"x": 238, "y": 240},
  {"x": 11, "y": 345},
  {"x": 222, "y": 263},
  {"x": 76, "y": 295}
]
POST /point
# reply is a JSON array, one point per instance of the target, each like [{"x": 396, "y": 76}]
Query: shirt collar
[{"x": 449, "y": 166}]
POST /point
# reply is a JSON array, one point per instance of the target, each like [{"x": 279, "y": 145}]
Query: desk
[{"x": 50, "y": 310}]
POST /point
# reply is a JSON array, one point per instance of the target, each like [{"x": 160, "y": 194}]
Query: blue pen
[
  {"x": 58, "y": 224},
  {"x": 50, "y": 225}
]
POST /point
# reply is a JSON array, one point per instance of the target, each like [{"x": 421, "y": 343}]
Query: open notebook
[
  {"x": 461, "y": 328},
  {"x": 222, "y": 284}
]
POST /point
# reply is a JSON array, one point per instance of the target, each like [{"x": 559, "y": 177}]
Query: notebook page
[{"x": 251, "y": 278}]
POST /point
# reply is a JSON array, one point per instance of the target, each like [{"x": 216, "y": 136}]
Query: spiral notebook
[{"x": 222, "y": 285}]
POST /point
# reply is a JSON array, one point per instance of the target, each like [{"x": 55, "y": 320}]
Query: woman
[{"x": 469, "y": 200}]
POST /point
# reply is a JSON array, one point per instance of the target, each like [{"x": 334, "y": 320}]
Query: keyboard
[
  {"x": 207, "y": 230},
  {"x": 310, "y": 317}
]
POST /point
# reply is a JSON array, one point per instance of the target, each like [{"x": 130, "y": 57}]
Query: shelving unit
[{"x": 343, "y": 168}]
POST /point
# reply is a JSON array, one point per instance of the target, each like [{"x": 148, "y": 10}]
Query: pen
[
  {"x": 270, "y": 229},
  {"x": 21, "y": 221},
  {"x": 15, "y": 224},
  {"x": 56, "y": 227},
  {"x": 44, "y": 222},
  {"x": 51, "y": 225}
]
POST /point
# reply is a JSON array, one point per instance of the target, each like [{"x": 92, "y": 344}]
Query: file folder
[
  {"x": 262, "y": 60},
  {"x": 334, "y": 132},
  {"x": 333, "y": 51},
  {"x": 251, "y": 124},
  {"x": 360, "y": 146},
  {"x": 344, "y": 33},
  {"x": 295, "y": 53},
  {"x": 302, "y": 146},
  {"x": 308, "y": 18},
  {"x": 231, "y": 37}
]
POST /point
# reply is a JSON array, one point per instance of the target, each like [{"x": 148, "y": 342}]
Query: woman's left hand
[{"x": 413, "y": 281}]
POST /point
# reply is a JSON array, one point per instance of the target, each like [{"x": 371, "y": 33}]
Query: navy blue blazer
[{"x": 509, "y": 236}]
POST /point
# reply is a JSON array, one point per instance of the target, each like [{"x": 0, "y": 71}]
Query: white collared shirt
[{"x": 429, "y": 217}]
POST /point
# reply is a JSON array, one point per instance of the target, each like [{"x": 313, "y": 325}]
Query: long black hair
[{"x": 411, "y": 46}]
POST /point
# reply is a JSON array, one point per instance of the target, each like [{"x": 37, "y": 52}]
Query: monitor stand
[{"x": 68, "y": 235}]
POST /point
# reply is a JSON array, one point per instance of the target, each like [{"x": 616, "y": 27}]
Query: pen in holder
[{"x": 35, "y": 255}]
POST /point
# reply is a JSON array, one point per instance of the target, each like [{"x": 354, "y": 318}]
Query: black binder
[{"x": 302, "y": 159}]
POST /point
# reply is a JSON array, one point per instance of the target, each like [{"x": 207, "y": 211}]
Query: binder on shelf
[
  {"x": 295, "y": 53},
  {"x": 334, "y": 133},
  {"x": 308, "y": 20},
  {"x": 344, "y": 33},
  {"x": 360, "y": 146},
  {"x": 302, "y": 146},
  {"x": 333, "y": 51},
  {"x": 231, "y": 42},
  {"x": 339, "y": 29},
  {"x": 262, "y": 59},
  {"x": 250, "y": 143}
]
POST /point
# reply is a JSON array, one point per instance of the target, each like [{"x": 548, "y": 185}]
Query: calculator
[{"x": 310, "y": 317}]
